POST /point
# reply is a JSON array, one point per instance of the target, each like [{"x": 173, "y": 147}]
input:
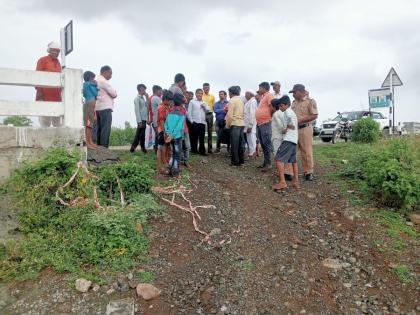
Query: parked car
[
  {"x": 329, "y": 127},
  {"x": 317, "y": 131}
]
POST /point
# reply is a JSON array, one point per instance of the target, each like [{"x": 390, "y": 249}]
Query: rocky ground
[{"x": 296, "y": 252}]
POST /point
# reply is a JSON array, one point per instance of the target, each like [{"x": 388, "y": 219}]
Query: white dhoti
[{"x": 251, "y": 139}]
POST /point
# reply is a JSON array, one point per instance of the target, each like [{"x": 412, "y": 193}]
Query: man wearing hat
[
  {"x": 306, "y": 111},
  {"x": 276, "y": 89},
  {"x": 49, "y": 63}
]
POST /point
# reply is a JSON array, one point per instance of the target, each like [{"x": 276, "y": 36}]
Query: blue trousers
[
  {"x": 174, "y": 163},
  {"x": 264, "y": 136}
]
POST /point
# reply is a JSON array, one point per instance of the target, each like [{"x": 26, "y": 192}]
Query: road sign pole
[
  {"x": 391, "y": 105},
  {"x": 63, "y": 48},
  {"x": 393, "y": 109}
]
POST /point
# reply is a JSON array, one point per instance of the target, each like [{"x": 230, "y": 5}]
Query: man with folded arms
[{"x": 306, "y": 111}]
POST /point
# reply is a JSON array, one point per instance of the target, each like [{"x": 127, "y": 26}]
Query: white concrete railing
[{"x": 69, "y": 80}]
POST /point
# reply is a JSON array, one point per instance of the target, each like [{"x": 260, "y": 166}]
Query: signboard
[
  {"x": 68, "y": 38},
  {"x": 396, "y": 81},
  {"x": 379, "y": 98}
]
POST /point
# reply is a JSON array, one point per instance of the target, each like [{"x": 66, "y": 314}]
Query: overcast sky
[{"x": 338, "y": 49}]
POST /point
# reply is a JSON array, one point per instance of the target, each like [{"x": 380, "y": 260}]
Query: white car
[{"x": 329, "y": 127}]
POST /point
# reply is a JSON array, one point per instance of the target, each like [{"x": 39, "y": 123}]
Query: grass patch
[
  {"x": 82, "y": 239},
  {"x": 245, "y": 265},
  {"x": 146, "y": 277},
  {"x": 386, "y": 172},
  {"x": 395, "y": 224},
  {"x": 404, "y": 274}
]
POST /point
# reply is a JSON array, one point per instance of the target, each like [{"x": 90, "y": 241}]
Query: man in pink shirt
[
  {"x": 263, "y": 117},
  {"x": 104, "y": 107}
]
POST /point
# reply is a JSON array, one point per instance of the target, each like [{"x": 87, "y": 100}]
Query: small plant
[
  {"x": 245, "y": 265},
  {"x": 122, "y": 136},
  {"x": 17, "y": 121},
  {"x": 404, "y": 274},
  {"x": 134, "y": 178},
  {"x": 365, "y": 130},
  {"x": 395, "y": 223},
  {"x": 146, "y": 276}
]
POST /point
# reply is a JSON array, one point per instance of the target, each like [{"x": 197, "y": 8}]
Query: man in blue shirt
[{"x": 220, "y": 110}]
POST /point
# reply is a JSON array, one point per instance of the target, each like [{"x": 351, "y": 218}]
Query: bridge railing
[{"x": 69, "y": 80}]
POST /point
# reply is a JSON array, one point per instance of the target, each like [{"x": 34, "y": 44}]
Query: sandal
[{"x": 279, "y": 186}]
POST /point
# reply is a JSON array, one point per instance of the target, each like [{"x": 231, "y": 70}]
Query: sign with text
[
  {"x": 379, "y": 98},
  {"x": 68, "y": 38}
]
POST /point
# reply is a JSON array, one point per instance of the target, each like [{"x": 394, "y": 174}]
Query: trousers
[
  {"x": 197, "y": 138},
  {"x": 103, "y": 127},
  {"x": 264, "y": 136},
  {"x": 305, "y": 142},
  {"x": 237, "y": 145},
  {"x": 139, "y": 137}
]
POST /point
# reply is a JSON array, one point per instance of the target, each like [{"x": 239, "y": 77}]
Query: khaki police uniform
[{"x": 302, "y": 109}]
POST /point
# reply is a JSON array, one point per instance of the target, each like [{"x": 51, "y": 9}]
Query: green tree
[{"x": 17, "y": 121}]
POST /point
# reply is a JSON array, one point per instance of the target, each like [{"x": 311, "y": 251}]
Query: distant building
[{"x": 412, "y": 127}]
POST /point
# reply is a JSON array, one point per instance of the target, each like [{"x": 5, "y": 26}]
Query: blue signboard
[{"x": 379, "y": 98}]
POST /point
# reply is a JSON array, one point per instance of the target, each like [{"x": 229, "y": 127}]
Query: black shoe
[
  {"x": 288, "y": 177},
  {"x": 309, "y": 177},
  {"x": 132, "y": 150},
  {"x": 204, "y": 154},
  {"x": 144, "y": 150},
  {"x": 210, "y": 152}
]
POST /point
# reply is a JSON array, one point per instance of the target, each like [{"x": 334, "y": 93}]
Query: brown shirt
[{"x": 305, "y": 108}]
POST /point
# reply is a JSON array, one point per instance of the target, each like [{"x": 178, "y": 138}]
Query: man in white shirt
[
  {"x": 104, "y": 107},
  {"x": 250, "y": 122},
  {"x": 287, "y": 150},
  {"x": 197, "y": 110},
  {"x": 276, "y": 89}
]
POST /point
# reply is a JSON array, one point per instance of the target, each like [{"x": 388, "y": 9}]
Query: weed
[
  {"x": 404, "y": 274},
  {"x": 399, "y": 244},
  {"x": 146, "y": 276},
  {"x": 245, "y": 265},
  {"x": 395, "y": 223},
  {"x": 80, "y": 239},
  {"x": 379, "y": 245}
]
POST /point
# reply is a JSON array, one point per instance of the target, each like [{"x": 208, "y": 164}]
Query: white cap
[{"x": 54, "y": 45}]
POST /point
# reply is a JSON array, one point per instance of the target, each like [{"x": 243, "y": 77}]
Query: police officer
[{"x": 306, "y": 111}]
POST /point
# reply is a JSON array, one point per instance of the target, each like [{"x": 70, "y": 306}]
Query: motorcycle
[{"x": 343, "y": 129}]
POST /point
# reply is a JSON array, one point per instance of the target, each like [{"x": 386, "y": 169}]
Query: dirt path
[
  {"x": 300, "y": 252},
  {"x": 274, "y": 265}
]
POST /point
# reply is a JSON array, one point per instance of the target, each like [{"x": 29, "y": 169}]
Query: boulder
[
  {"x": 83, "y": 285},
  {"x": 147, "y": 291},
  {"x": 415, "y": 218}
]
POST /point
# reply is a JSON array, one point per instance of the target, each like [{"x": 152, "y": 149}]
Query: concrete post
[{"x": 72, "y": 97}]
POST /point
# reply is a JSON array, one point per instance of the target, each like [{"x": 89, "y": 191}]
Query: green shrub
[
  {"x": 365, "y": 130},
  {"x": 388, "y": 171},
  {"x": 122, "y": 137},
  {"x": 392, "y": 175},
  {"x": 79, "y": 238},
  {"x": 134, "y": 178},
  {"x": 17, "y": 121}
]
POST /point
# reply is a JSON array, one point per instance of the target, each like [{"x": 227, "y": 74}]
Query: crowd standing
[{"x": 180, "y": 118}]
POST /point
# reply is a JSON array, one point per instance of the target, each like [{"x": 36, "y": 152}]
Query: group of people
[{"x": 180, "y": 119}]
